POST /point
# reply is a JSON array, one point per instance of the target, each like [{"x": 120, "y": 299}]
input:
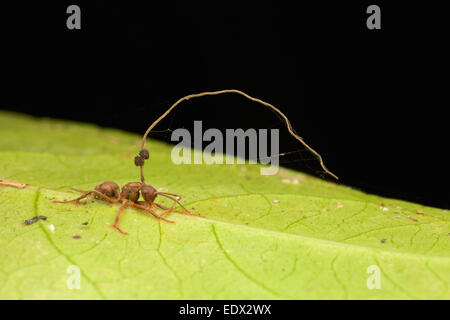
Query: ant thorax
[{"x": 130, "y": 191}]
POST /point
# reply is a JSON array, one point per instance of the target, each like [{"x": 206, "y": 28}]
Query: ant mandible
[{"x": 129, "y": 195}]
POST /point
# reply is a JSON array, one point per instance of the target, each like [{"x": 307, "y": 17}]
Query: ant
[{"x": 129, "y": 195}]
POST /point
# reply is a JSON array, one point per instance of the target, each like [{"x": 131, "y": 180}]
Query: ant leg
[
  {"x": 147, "y": 209},
  {"x": 81, "y": 191},
  {"x": 105, "y": 197},
  {"x": 116, "y": 221},
  {"x": 166, "y": 210},
  {"x": 77, "y": 200},
  {"x": 147, "y": 205},
  {"x": 177, "y": 200},
  {"x": 85, "y": 194},
  {"x": 101, "y": 195}
]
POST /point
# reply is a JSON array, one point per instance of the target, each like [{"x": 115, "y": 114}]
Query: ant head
[
  {"x": 130, "y": 191},
  {"x": 148, "y": 193}
]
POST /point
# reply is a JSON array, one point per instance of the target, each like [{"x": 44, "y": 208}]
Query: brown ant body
[{"x": 129, "y": 196}]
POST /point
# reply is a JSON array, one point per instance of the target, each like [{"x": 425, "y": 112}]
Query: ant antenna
[{"x": 143, "y": 154}]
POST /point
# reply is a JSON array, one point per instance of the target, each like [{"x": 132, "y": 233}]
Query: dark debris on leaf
[{"x": 34, "y": 220}]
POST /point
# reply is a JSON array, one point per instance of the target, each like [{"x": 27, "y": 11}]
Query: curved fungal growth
[{"x": 144, "y": 152}]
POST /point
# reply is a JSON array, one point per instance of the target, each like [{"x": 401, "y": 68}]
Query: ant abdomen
[{"x": 109, "y": 188}]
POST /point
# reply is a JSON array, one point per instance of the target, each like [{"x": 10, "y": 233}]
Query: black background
[{"x": 371, "y": 102}]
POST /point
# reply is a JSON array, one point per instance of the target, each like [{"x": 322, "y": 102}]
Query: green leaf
[{"x": 287, "y": 236}]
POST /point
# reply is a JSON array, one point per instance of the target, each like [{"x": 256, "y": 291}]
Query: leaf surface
[{"x": 287, "y": 236}]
